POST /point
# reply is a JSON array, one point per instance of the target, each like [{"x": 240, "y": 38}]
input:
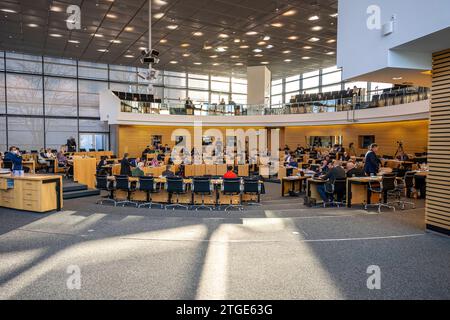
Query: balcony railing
[{"x": 326, "y": 102}]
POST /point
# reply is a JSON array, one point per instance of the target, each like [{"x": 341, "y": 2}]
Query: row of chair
[{"x": 176, "y": 186}]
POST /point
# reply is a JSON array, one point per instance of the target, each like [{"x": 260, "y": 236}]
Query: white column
[{"x": 258, "y": 85}]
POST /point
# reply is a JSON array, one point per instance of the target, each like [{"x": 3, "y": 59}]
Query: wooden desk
[
  {"x": 30, "y": 164},
  {"x": 311, "y": 185},
  {"x": 36, "y": 193},
  {"x": 93, "y": 154},
  {"x": 358, "y": 192},
  {"x": 84, "y": 170},
  {"x": 292, "y": 184}
]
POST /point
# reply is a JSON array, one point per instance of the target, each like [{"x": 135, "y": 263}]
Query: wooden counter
[
  {"x": 84, "y": 170},
  {"x": 37, "y": 193}
]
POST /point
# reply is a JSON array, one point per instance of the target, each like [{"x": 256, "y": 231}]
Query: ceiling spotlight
[
  {"x": 198, "y": 34},
  {"x": 330, "y": 53},
  {"x": 237, "y": 40},
  {"x": 257, "y": 50},
  {"x": 158, "y": 15},
  {"x": 293, "y": 38},
  {"x": 32, "y": 25},
  {"x": 397, "y": 78},
  {"x": 128, "y": 56},
  {"x": 313, "y": 18},
  {"x": 234, "y": 57},
  {"x": 142, "y": 48},
  {"x": 214, "y": 56},
  {"x": 306, "y": 58},
  {"x": 198, "y": 63},
  {"x": 160, "y": 2},
  {"x": 56, "y": 9},
  {"x": 316, "y": 28},
  {"x": 307, "y": 47},
  {"x": 55, "y": 35},
  {"x": 207, "y": 47},
  {"x": 185, "y": 45},
  {"x": 289, "y": 13},
  {"x": 97, "y": 35},
  {"x": 261, "y": 43},
  {"x": 334, "y": 15},
  {"x": 269, "y": 46},
  {"x": 73, "y": 41},
  {"x": 258, "y": 55},
  {"x": 129, "y": 29},
  {"x": 264, "y": 62},
  {"x": 172, "y": 26},
  {"x": 244, "y": 47},
  {"x": 251, "y": 33},
  {"x": 277, "y": 24},
  {"x": 102, "y": 50},
  {"x": 116, "y": 41},
  {"x": 286, "y": 51},
  {"x": 239, "y": 64},
  {"x": 173, "y": 62},
  {"x": 216, "y": 64},
  {"x": 331, "y": 41},
  {"x": 313, "y": 39},
  {"x": 266, "y": 38},
  {"x": 163, "y": 41},
  {"x": 111, "y": 16},
  {"x": 223, "y": 36},
  {"x": 221, "y": 49},
  {"x": 186, "y": 55},
  {"x": 8, "y": 10},
  {"x": 287, "y": 60}
]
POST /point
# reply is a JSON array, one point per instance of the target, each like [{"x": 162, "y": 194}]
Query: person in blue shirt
[
  {"x": 14, "y": 156},
  {"x": 371, "y": 162}
]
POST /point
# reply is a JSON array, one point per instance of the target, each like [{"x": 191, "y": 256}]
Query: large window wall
[
  {"x": 324, "y": 80},
  {"x": 44, "y": 100}
]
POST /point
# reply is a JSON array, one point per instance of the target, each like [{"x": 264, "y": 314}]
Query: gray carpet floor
[{"x": 281, "y": 250}]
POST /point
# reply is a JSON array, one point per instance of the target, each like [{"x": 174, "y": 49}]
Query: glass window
[
  {"x": 93, "y": 126},
  {"x": 277, "y": 100},
  {"x": 311, "y": 74},
  {"x": 2, "y": 92},
  {"x": 292, "y": 86},
  {"x": 60, "y": 96},
  {"x": 2, "y": 61},
  {"x": 94, "y": 141},
  {"x": 238, "y": 87},
  {"x": 294, "y": 78},
  {"x": 175, "y": 74},
  {"x": 330, "y": 69},
  {"x": 358, "y": 84},
  {"x": 123, "y": 74},
  {"x": 23, "y": 63},
  {"x": 198, "y": 84},
  {"x": 336, "y": 87},
  {"x": 380, "y": 86},
  {"x": 310, "y": 82},
  {"x": 199, "y": 96},
  {"x": 277, "y": 89},
  {"x": 24, "y": 93},
  {"x": 3, "y": 146},
  {"x": 331, "y": 78},
  {"x": 26, "y": 133},
  {"x": 312, "y": 91},
  {"x": 122, "y": 87},
  {"x": 89, "y": 99},
  {"x": 174, "y": 81},
  {"x": 175, "y": 94},
  {"x": 57, "y": 132},
  {"x": 290, "y": 95},
  {"x": 60, "y": 67},
  {"x": 220, "y": 86},
  {"x": 277, "y": 82},
  {"x": 90, "y": 70},
  {"x": 239, "y": 98}
]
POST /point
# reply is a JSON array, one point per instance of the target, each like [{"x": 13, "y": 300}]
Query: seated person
[
  {"x": 145, "y": 152},
  {"x": 230, "y": 173},
  {"x": 153, "y": 163},
  {"x": 139, "y": 170},
  {"x": 168, "y": 172},
  {"x": 300, "y": 150},
  {"x": 353, "y": 171},
  {"x": 336, "y": 172},
  {"x": 15, "y": 157},
  {"x": 101, "y": 164},
  {"x": 324, "y": 167},
  {"x": 345, "y": 157},
  {"x": 125, "y": 166}
]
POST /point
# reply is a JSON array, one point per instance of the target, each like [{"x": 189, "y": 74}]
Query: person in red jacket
[{"x": 230, "y": 174}]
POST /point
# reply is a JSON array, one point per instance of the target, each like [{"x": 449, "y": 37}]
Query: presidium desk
[{"x": 36, "y": 193}]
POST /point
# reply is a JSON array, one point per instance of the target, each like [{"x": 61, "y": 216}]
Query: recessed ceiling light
[
  {"x": 313, "y": 39},
  {"x": 244, "y": 47},
  {"x": 269, "y": 46},
  {"x": 397, "y": 78},
  {"x": 287, "y": 60},
  {"x": 261, "y": 43},
  {"x": 186, "y": 55},
  {"x": 55, "y": 35},
  {"x": 207, "y": 47},
  {"x": 257, "y": 50},
  {"x": 111, "y": 16},
  {"x": 264, "y": 62},
  {"x": 316, "y": 28},
  {"x": 198, "y": 63},
  {"x": 73, "y": 41},
  {"x": 142, "y": 48},
  {"x": 234, "y": 57},
  {"x": 306, "y": 58},
  {"x": 128, "y": 56},
  {"x": 102, "y": 50},
  {"x": 277, "y": 24},
  {"x": 286, "y": 51},
  {"x": 258, "y": 55},
  {"x": 198, "y": 34},
  {"x": 173, "y": 62},
  {"x": 251, "y": 33},
  {"x": 214, "y": 56},
  {"x": 334, "y": 15},
  {"x": 307, "y": 47},
  {"x": 8, "y": 10},
  {"x": 330, "y": 53},
  {"x": 163, "y": 41},
  {"x": 289, "y": 13},
  {"x": 97, "y": 35},
  {"x": 237, "y": 40},
  {"x": 223, "y": 36},
  {"x": 239, "y": 64},
  {"x": 216, "y": 64},
  {"x": 32, "y": 25},
  {"x": 129, "y": 29},
  {"x": 266, "y": 38},
  {"x": 313, "y": 18},
  {"x": 172, "y": 26},
  {"x": 293, "y": 38},
  {"x": 56, "y": 9},
  {"x": 160, "y": 2},
  {"x": 116, "y": 41},
  {"x": 158, "y": 15},
  {"x": 221, "y": 49},
  {"x": 185, "y": 45},
  {"x": 331, "y": 41}
]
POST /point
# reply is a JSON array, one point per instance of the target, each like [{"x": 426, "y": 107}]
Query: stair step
[
  {"x": 81, "y": 194},
  {"x": 73, "y": 188}
]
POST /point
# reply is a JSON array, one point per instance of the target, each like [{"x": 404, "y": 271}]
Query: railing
[{"x": 326, "y": 102}]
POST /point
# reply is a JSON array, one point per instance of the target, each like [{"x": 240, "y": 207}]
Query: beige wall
[{"x": 414, "y": 135}]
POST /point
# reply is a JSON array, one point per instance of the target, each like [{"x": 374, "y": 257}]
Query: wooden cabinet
[{"x": 31, "y": 193}]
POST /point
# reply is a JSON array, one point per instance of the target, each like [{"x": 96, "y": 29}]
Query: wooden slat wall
[
  {"x": 438, "y": 181},
  {"x": 414, "y": 135}
]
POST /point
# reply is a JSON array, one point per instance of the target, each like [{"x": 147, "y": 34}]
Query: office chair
[
  {"x": 232, "y": 187},
  {"x": 123, "y": 184},
  {"x": 81, "y": 150},
  {"x": 175, "y": 185},
  {"x": 404, "y": 189},
  {"x": 102, "y": 184},
  {"x": 253, "y": 187},
  {"x": 202, "y": 186},
  {"x": 91, "y": 150},
  {"x": 337, "y": 187},
  {"x": 386, "y": 186},
  {"x": 148, "y": 185}
]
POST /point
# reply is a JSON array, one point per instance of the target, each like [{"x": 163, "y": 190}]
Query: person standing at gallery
[{"x": 71, "y": 145}]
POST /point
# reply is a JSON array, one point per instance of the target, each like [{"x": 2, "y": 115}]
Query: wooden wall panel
[
  {"x": 438, "y": 203},
  {"x": 414, "y": 135}
]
